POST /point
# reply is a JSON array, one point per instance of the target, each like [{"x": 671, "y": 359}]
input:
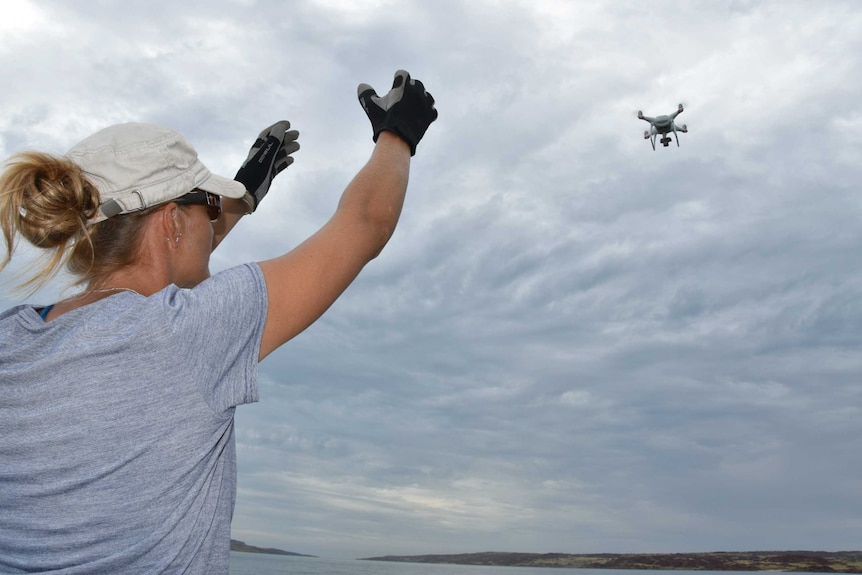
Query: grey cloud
[{"x": 572, "y": 342}]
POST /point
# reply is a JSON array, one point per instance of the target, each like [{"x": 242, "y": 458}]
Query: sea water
[{"x": 262, "y": 564}]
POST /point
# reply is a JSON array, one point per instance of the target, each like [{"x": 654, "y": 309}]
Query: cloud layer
[{"x": 572, "y": 343}]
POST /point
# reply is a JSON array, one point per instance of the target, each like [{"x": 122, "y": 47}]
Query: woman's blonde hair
[{"x": 48, "y": 201}]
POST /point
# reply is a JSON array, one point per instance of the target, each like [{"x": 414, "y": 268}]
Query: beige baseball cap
[{"x": 138, "y": 166}]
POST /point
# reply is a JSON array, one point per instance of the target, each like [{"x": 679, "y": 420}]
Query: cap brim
[{"x": 222, "y": 186}]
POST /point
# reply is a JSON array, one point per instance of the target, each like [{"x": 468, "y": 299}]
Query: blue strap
[{"x": 44, "y": 313}]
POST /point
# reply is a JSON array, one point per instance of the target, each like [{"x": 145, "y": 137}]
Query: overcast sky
[{"x": 572, "y": 343}]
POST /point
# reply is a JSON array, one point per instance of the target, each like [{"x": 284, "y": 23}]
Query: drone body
[{"x": 663, "y": 125}]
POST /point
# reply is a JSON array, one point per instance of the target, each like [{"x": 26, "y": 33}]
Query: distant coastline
[
  {"x": 244, "y": 547},
  {"x": 784, "y": 561}
]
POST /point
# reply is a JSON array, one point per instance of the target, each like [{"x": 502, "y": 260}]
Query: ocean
[{"x": 261, "y": 564}]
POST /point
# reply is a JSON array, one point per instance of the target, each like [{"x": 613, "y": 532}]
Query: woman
[{"x": 116, "y": 405}]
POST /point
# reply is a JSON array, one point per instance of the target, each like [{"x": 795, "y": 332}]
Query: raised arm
[
  {"x": 231, "y": 212},
  {"x": 304, "y": 282}
]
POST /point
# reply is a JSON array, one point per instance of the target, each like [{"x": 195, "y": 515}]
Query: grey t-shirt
[{"x": 117, "y": 449}]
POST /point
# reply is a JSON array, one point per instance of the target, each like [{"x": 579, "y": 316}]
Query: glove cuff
[
  {"x": 250, "y": 203},
  {"x": 400, "y": 131}
]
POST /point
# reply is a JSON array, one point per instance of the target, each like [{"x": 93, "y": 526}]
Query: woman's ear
[{"x": 171, "y": 223}]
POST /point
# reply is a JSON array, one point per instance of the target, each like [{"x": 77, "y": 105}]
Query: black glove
[
  {"x": 407, "y": 109},
  {"x": 269, "y": 155}
]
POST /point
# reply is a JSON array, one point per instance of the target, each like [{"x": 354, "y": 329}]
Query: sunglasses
[{"x": 202, "y": 198}]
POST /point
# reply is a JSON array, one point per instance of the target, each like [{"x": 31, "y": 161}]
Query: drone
[{"x": 663, "y": 125}]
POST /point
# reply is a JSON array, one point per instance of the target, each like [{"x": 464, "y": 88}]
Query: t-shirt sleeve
[{"x": 217, "y": 328}]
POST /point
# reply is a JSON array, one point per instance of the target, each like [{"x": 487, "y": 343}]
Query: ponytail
[{"x": 48, "y": 201}]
